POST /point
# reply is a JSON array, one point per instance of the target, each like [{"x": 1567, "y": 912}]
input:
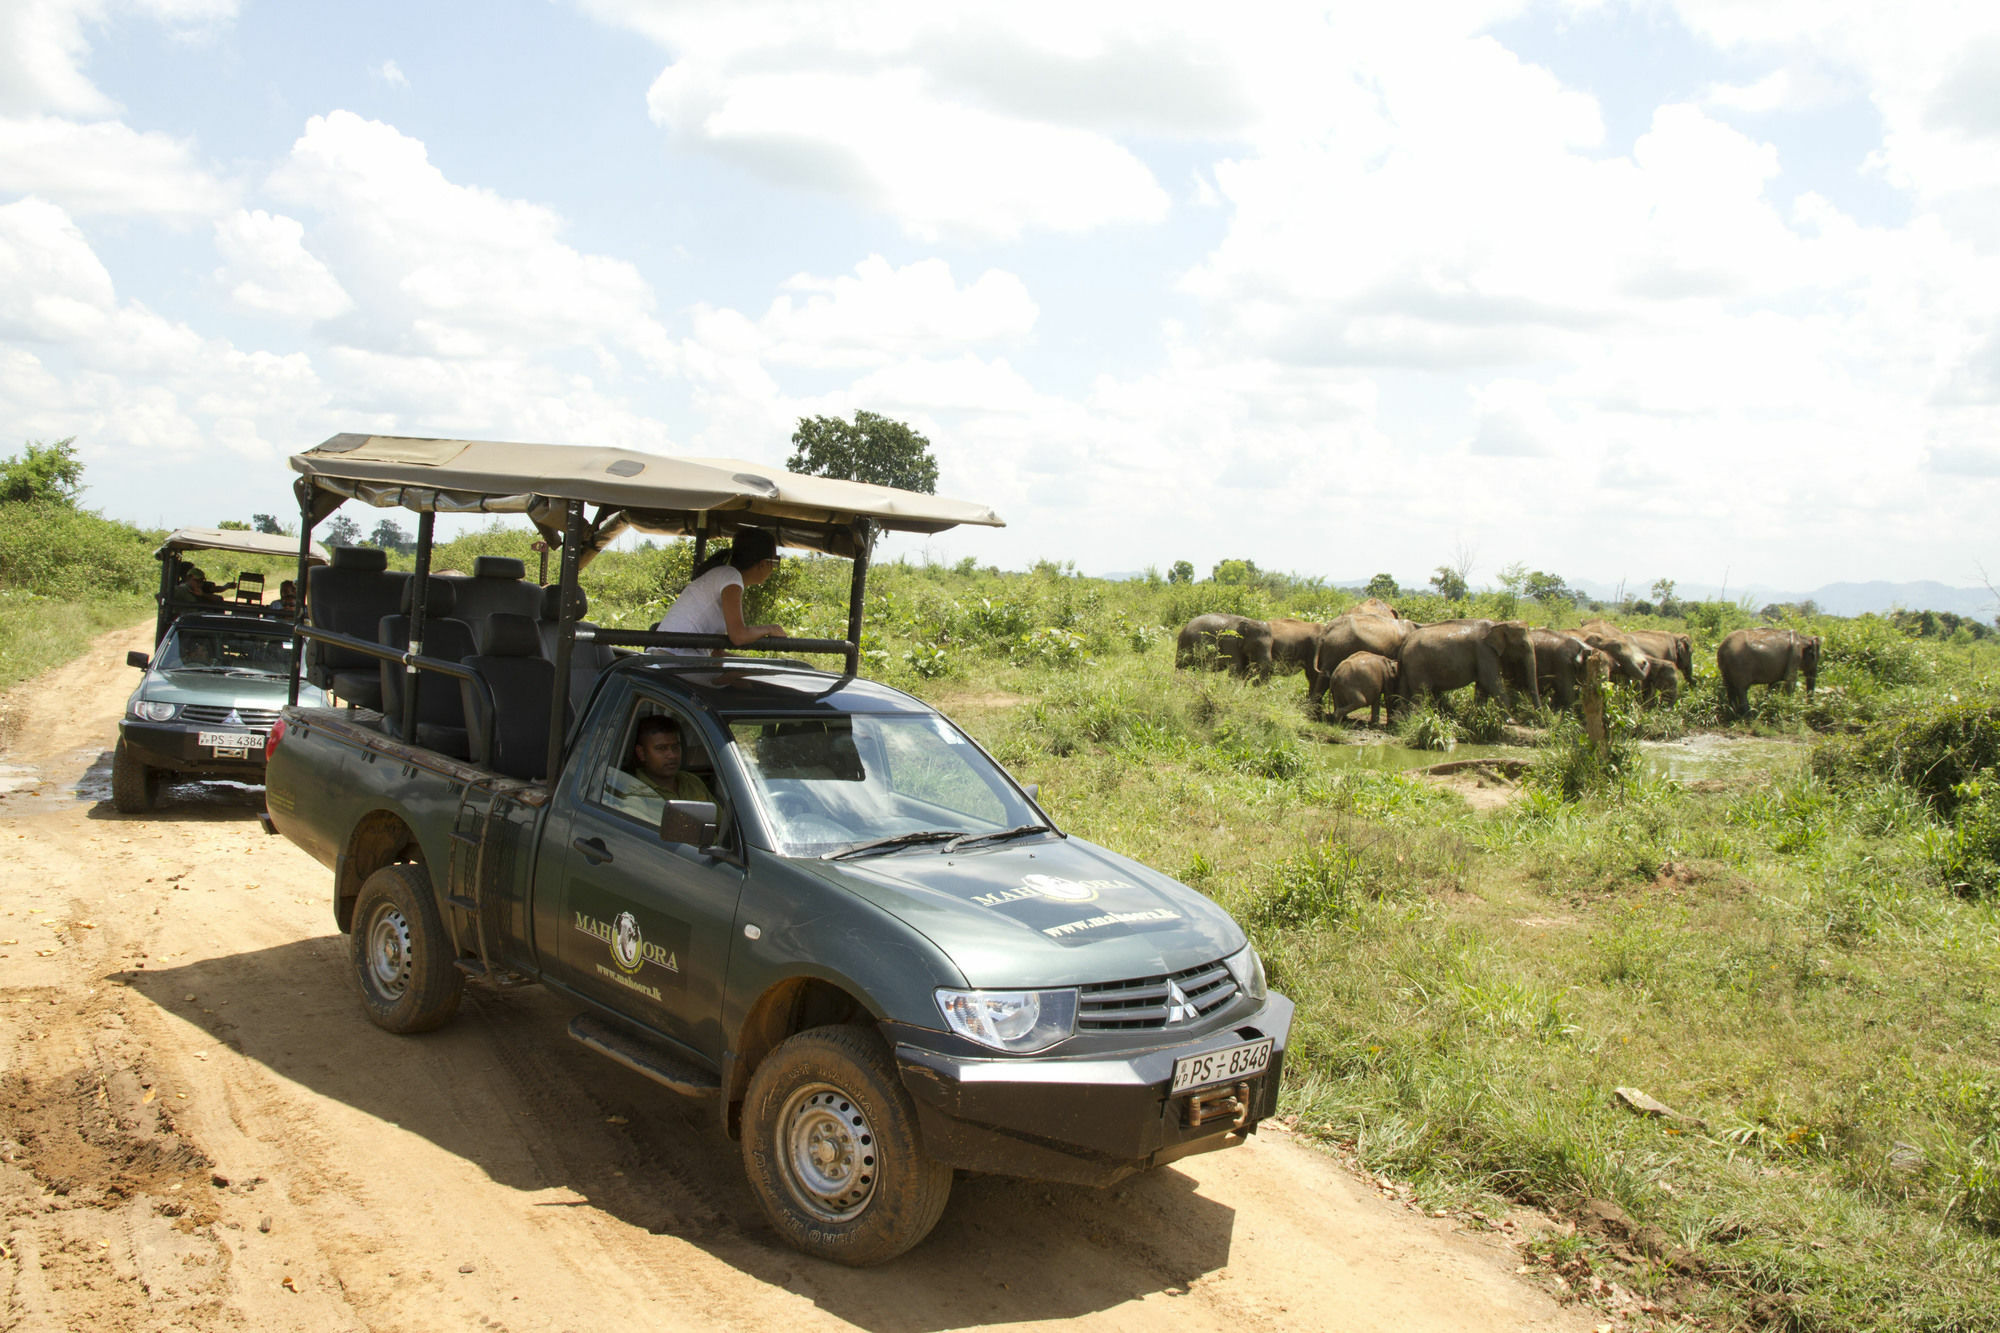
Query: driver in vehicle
[{"x": 656, "y": 755}]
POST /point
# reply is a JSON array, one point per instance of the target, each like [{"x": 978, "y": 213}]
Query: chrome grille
[
  {"x": 1143, "y": 1002},
  {"x": 255, "y": 719}
]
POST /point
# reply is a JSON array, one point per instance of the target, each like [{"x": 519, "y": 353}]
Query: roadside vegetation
[{"x": 1785, "y": 931}]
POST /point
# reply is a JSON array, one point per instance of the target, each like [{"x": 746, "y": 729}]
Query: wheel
[
  {"x": 401, "y": 954},
  {"x": 831, "y": 1146},
  {"x": 134, "y": 786}
]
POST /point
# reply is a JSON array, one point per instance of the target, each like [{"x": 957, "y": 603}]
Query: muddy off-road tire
[
  {"x": 831, "y": 1145},
  {"x": 134, "y": 787},
  {"x": 402, "y": 956}
]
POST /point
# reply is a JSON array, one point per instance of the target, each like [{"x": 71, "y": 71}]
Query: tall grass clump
[{"x": 1570, "y": 766}]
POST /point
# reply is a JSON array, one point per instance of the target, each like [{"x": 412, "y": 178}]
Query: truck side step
[
  {"x": 500, "y": 978},
  {"x": 643, "y": 1057}
]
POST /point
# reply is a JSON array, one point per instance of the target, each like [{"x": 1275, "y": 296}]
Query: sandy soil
[{"x": 199, "y": 1130}]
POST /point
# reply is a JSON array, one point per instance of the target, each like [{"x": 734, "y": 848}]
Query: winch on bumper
[{"x": 1087, "y": 1120}]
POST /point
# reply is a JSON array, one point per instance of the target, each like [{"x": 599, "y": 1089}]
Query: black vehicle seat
[
  {"x": 350, "y": 596},
  {"x": 522, "y": 683},
  {"x": 498, "y": 585},
  {"x": 440, "y": 711},
  {"x": 586, "y": 660}
]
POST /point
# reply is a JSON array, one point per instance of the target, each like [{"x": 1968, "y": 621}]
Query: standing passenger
[{"x": 712, "y": 603}]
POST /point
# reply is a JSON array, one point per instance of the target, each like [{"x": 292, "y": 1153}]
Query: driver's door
[{"x": 647, "y": 918}]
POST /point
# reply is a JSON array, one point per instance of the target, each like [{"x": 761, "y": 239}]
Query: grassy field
[{"x": 1796, "y": 949}]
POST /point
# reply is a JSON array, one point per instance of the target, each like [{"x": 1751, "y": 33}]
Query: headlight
[
  {"x": 152, "y": 711},
  {"x": 1010, "y": 1020},
  {"x": 1248, "y": 969}
]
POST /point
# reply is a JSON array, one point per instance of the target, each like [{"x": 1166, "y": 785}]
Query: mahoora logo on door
[{"x": 628, "y": 944}]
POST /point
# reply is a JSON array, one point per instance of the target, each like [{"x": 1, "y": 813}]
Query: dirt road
[{"x": 198, "y": 1130}]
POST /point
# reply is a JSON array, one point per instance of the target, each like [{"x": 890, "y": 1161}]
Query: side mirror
[
  {"x": 691, "y": 822},
  {"x": 1034, "y": 790},
  {"x": 138, "y": 659}
]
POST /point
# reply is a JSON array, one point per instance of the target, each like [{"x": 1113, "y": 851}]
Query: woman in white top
[{"x": 712, "y": 603}]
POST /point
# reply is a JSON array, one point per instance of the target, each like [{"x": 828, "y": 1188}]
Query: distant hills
[{"x": 1839, "y": 599}]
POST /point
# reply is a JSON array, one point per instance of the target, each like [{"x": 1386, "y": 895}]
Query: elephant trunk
[{"x": 1527, "y": 663}]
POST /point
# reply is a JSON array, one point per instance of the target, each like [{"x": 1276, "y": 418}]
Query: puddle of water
[
  {"x": 1693, "y": 758},
  {"x": 28, "y": 790},
  {"x": 13, "y": 777}
]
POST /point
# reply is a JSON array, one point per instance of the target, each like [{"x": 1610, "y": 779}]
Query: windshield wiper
[
  {"x": 1020, "y": 831},
  {"x": 896, "y": 840}
]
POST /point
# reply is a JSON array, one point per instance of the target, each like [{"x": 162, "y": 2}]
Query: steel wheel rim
[
  {"x": 828, "y": 1150},
  {"x": 389, "y": 951}
]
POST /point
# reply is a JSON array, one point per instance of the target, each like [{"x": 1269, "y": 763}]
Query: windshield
[
  {"x": 830, "y": 784},
  {"x": 192, "y": 649}
]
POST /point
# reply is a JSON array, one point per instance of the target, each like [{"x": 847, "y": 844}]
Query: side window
[{"x": 659, "y": 759}]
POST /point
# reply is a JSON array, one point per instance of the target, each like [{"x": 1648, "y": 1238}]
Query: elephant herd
[{"x": 1372, "y": 656}]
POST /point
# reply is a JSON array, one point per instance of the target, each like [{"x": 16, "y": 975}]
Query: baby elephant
[{"x": 1362, "y": 678}]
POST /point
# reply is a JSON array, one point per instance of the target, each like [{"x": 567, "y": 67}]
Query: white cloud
[
  {"x": 268, "y": 271},
  {"x": 52, "y": 286},
  {"x": 441, "y": 269},
  {"x": 392, "y": 73},
  {"x": 107, "y": 168},
  {"x": 880, "y": 313},
  {"x": 888, "y": 142},
  {"x": 43, "y": 44}
]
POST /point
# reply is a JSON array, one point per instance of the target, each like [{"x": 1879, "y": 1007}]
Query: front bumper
[
  {"x": 175, "y": 747},
  {"x": 1086, "y": 1120}
]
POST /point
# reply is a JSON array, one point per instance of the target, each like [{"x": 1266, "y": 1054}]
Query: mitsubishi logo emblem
[{"x": 1179, "y": 1010}]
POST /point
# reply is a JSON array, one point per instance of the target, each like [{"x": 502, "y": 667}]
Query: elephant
[
  {"x": 1375, "y": 606},
  {"x": 1361, "y": 678},
  {"x": 1559, "y": 663},
  {"x": 1766, "y": 657},
  {"x": 1629, "y": 663},
  {"x": 1677, "y": 650},
  {"x": 1293, "y": 644},
  {"x": 1237, "y": 642},
  {"x": 1443, "y": 657},
  {"x": 1351, "y": 634}
]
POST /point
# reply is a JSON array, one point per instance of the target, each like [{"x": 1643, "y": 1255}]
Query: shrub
[
  {"x": 1937, "y": 753},
  {"x": 52, "y": 550},
  {"x": 1570, "y": 766},
  {"x": 1427, "y": 727}
]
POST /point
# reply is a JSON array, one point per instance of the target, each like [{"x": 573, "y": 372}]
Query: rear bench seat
[
  {"x": 522, "y": 683},
  {"x": 440, "y": 711},
  {"x": 350, "y": 595},
  {"x": 587, "y": 660}
]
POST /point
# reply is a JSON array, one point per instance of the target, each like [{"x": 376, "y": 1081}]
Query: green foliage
[
  {"x": 1235, "y": 572},
  {"x": 43, "y": 474},
  {"x": 232, "y": 525},
  {"x": 1569, "y": 765},
  {"x": 1938, "y": 752},
  {"x": 341, "y": 530},
  {"x": 1872, "y": 647},
  {"x": 1427, "y": 726},
  {"x": 1182, "y": 572},
  {"x": 1382, "y": 586},
  {"x": 50, "y": 549},
  {"x": 1450, "y": 584},
  {"x": 1549, "y": 589},
  {"x": 871, "y": 448}
]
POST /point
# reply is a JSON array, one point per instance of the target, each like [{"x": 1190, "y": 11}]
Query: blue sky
[{"x": 1620, "y": 291}]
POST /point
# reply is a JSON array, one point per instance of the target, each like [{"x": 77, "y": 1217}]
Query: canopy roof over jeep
[
  {"x": 676, "y": 496},
  {"x": 238, "y": 540}
]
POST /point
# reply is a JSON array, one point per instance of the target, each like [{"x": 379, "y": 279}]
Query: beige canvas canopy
[
  {"x": 676, "y": 496},
  {"x": 238, "y": 540}
]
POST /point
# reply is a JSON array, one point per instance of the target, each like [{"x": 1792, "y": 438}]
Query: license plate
[
  {"x": 231, "y": 740},
  {"x": 1223, "y": 1066}
]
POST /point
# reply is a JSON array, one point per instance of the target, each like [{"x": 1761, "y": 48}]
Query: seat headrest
[
  {"x": 367, "y": 559},
  {"x": 552, "y": 603},
  {"x": 506, "y": 634},
  {"x": 498, "y": 567},
  {"x": 440, "y": 601}
]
